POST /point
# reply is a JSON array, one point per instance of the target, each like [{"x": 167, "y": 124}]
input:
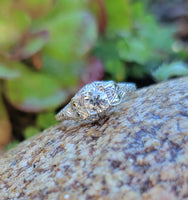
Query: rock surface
[{"x": 140, "y": 152}]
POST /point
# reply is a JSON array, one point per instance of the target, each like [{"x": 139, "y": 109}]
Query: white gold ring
[{"x": 95, "y": 100}]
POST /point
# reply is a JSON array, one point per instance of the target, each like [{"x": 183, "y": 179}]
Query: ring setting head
[{"x": 95, "y": 100}]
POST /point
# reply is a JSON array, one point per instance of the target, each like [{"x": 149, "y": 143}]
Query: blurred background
[{"x": 51, "y": 48}]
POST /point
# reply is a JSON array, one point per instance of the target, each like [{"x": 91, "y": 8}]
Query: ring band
[{"x": 95, "y": 100}]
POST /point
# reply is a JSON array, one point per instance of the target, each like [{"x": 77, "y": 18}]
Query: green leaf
[
  {"x": 64, "y": 33},
  {"x": 134, "y": 50},
  {"x": 65, "y": 73},
  {"x": 106, "y": 49},
  {"x": 30, "y": 131},
  {"x": 44, "y": 120},
  {"x": 12, "y": 145},
  {"x": 119, "y": 15},
  {"x": 158, "y": 39},
  {"x": 13, "y": 23},
  {"x": 34, "y": 91},
  {"x": 165, "y": 71},
  {"x": 148, "y": 42},
  {"x": 117, "y": 69},
  {"x": 8, "y": 73},
  {"x": 73, "y": 30},
  {"x": 34, "y": 45}
]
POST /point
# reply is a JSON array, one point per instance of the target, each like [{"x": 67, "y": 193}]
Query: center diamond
[{"x": 95, "y": 101}]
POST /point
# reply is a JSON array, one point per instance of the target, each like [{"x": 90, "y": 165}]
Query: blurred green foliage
[
  {"x": 138, "y": 39},
  {"x": 46, "y": 44},
  {"x": 12, "y": 144},
  {"x": 168, "y": 70},
  {"x": 43, "y": 121}
]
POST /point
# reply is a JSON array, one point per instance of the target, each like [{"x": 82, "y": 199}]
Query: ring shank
[{"x": 102, "y": 97}]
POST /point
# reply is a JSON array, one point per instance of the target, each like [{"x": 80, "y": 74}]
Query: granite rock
[{"x": 139, "y": 152}]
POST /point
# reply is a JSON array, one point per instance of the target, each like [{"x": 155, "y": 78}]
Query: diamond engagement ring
[{"x": 95, "y": 100}]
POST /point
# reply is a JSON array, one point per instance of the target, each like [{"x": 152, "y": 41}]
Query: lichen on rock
[{"x": 140, "y": 152}]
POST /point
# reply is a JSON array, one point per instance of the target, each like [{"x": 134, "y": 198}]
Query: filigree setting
[{"x": 95, "y": 100}]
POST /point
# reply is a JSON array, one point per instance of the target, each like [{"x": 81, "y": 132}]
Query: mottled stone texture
[{"x": 140, "y": 152}]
